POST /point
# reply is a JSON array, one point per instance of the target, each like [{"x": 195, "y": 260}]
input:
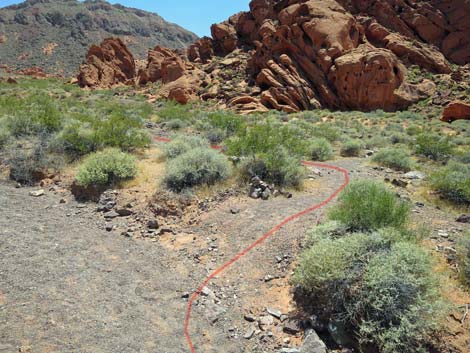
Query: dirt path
[{"x": 67, "y": 285}]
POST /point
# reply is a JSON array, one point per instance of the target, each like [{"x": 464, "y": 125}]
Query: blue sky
[{"x": 194, "y": 15}]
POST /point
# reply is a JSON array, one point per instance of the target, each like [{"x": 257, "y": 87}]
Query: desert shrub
[
  {"x": 30, "y": 159},
  {"x": 379, "y": 289},
  {"x": 433, "y": 146},
  {"x": 327, "y": 131},
  {"x": 264, "y": 137},
  {"x": 321, "y": 150},
  {"x": 463, "y": 157},
  {"x": 463, "y": 259},
  {"x": 215, "y": 136},
  {"x": 414, "y": 130},
  {"x": 225, "y": 121},
  {"x": 351, "y": 148},
  {"x": 369, "y": 205},
  {"x": 198, "y": 166},
  {"x": 172, "y": 110},
  {"x": 407, "y": 115},
  {"x": 84, "y": 134},
  {"x": 375, "y": 141},
  {"x": 399, "y": 137},
  {"x": 277, "y": 167},
  {"x": 175, "y": 124},
  {"x": 395, "y": 158},
  {"x": 4, "y": 135},
  {"x": 106, "y": 168},
  {"x": 453, "y": 182},
  {"x": 36, "y": 113},
  {"x": 182, "y": 144}
]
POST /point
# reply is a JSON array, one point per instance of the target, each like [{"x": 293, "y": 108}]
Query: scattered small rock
[
  {"x": 291, "y": 327},
  {"x": 152, "y": 224},
  {"x": 249, "y": 317},
  {"x": 36, "y": 193},
  {"x": 465, "y": 218},
  {"x": 414, "y": 175},
  {"x": 234, "y": 210},
  {"x": 273, "y": 312},
  {"x": 124, "y": 212},
  {"x": 109, "y": 227},
  {"x": 249, "y": 333},
  {"x": 400, "y": 183},
  {"x": 111, "y": 215},
  {"x": 312, "y": 343}
]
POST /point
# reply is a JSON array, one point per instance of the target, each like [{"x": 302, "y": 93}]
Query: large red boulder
[
  {"x": 456, "y": 110},
  {"x": 108, "y": 64},
  {"x": 163, "y": 65}
]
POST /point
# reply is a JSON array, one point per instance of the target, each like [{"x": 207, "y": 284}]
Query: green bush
[
  {"x": 382, "y": 291},
  {"x": 182, "y": 144},
  {"x": 37, "y": 113},
  {"x": 321, "y": 150},
  {"x": 369, "y": 205},
  {"x": 277, "y": 167},
  {"x": 375, "y": 141},
  {"x": 5, "y": 135},
  {"x": 395, "y": 158},
  {"x": 172, "y": 110},
  {"x": 453, "y": 182},
  {"x": 433, "y": 146},
  {"x": 30, "y": 159},
  {"x": 198, "y": 166},
  {"x": 264, "y": 137},
  {"x": 463, "y": 258},
  {"x": 106, "y": 168},
  {"x": 226, "y": 121},
  {"x": 83, "y": 135},
  {"x": 463, "y": 157},
  {"x": 327, "y": 131},
  {"x": 175, "y": 124},
  {"x": 351, "y": 148}
]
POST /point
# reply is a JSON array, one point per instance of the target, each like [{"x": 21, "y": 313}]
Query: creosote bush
[
  {"x": 198, "y": 166},
  {"x": 369, "y": 205},
  {"x": 453, "y": 182},
  {"x": 106, "y": 168},
  {"x": 321, "y": 150},
  {"x": 395, "y": 158},
  {"x": 433, "y": 146}
]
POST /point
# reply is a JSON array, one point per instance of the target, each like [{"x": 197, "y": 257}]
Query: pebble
[
  {"x": 250, "y": 333},
  {"x": 36, "y": 193},
  {"x": 249, "y": 317},
  {"x": 273, "y": 312}
]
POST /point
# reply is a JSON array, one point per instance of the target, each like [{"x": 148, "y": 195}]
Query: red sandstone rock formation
[
  {"x": 294, "y": 55},
  {"x": 163, "y": 65},
  {"x": 456, "y": 110},
  {"x": 108, "y": 64}
]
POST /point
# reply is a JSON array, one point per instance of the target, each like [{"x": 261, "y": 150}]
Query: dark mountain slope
[{"x": 55, "y": 34}]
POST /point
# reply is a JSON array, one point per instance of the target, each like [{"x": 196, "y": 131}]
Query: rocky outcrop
[
  {"x": 456, "y": 110},
  {"x": 163, "y": 65},
  {"x": 108, "y": 64},
  {"x": 293, "y": 55},
  {"x": 441, "y": 23},
  {"x": 339, "y": 54}
]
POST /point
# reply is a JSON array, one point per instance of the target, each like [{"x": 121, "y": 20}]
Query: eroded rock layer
[{"x": 294, "y": 55}]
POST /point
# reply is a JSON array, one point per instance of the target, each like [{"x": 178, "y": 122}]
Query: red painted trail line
[{"x": 261, "y": 240}]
